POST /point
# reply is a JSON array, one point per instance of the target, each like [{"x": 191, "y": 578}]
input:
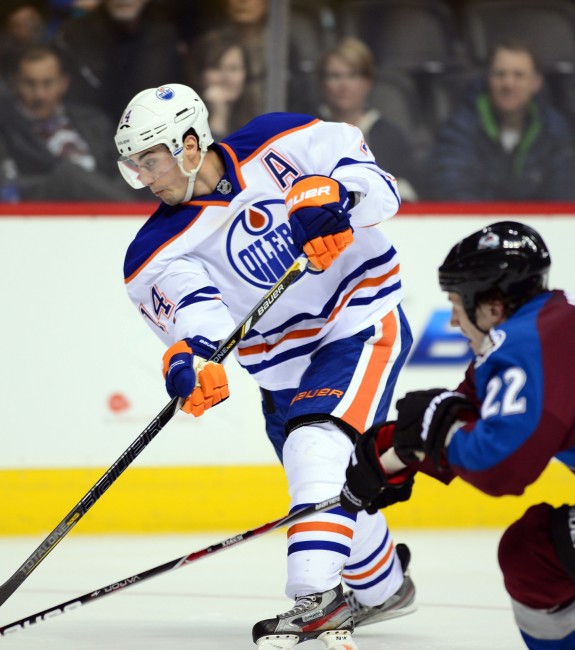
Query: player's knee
[
  {"x": 315, "y": 458},
  {"x": 528, "y": 559}
]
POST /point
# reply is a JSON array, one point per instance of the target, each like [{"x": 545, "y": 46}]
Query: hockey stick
[
  {"x": 147, "y": 435},
  {"x": 90, "y": 597}
]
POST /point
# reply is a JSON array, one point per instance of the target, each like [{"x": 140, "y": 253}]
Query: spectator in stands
[
  {"x": 61, "y": 10},
  {"x": 347, "y": 75},
  {"x": 72, "y": 7},
  {"x": 506, "y": 142},
  {"x": 246, "y": 21},
  {"x": 223, "y": 84},
  {"x": 62, "y": 151},
  {"x": 22, "y": 24},
  {"x": 117, "y": 49}
]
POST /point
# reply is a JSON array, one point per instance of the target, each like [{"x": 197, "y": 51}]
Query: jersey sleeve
[
  {"x": 182, "y": 302},
  {"x": 340, "y": 149}
]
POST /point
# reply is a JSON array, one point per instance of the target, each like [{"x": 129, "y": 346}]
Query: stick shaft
[
  {"x": 75, "y": 603},
  {"x": 144, "y": 439}
]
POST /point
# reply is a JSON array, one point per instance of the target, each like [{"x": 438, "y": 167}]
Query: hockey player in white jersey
[{"x": 233, "y": 217}]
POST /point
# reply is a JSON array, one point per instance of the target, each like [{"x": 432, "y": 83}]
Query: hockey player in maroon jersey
[{"x": 513, "y": 414}]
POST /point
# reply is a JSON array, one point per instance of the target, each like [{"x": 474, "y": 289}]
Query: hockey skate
[
  {"x": 324, "y": 616},
  {"x": 400, "y": 604}
]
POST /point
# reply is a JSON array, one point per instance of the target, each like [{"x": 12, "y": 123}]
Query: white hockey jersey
[{"x": 199, "y": 268}]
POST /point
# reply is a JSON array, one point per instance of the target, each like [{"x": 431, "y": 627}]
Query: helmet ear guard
[{"x": 506, "y": 257}]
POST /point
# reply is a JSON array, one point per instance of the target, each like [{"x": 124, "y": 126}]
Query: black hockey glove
[
  {"x": 424, "y": 419},
  {"x": 368, "y": 487}
]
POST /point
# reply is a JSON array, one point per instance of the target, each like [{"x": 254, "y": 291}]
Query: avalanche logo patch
[
  {"x": 259, "y": 243},
  {"x": 490, "y": 240}
]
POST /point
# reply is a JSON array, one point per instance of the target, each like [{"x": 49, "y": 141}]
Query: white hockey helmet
[{"x": 161, "y": 116}]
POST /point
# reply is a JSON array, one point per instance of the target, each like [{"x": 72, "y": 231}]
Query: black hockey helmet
[{"x": 506, "y": 256}]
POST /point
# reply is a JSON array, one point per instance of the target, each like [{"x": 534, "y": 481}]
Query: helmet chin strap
[{"x": 191, "y": 175}]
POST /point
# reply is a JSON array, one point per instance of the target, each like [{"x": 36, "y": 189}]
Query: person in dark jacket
[
  {"x": 505, "y": 143},
  {"x": 347, "y": 75},
  {"x": 117, "y": 49},
  {"x": 61, "y": 151}
]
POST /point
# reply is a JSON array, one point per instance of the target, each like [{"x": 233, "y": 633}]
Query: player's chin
[{"x": 164, "y": 196}]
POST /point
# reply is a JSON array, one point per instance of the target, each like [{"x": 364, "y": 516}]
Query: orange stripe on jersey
[
  {"x": 366, "y": 574},
  {"x": 237, "y": 167},
  {"x": 370, "y": 282},
  {"x": 320, "y": 526},
  {"x": 266, "y": 347},
  {"x": 262, "y": 348},
  {"x": 358, "y": 412},
  {"x": 277, "y": 137},
  {"x": 205, "y": 204}
]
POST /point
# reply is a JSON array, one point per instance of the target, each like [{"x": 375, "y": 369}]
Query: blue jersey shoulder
[
  {"x": 263, "y": 128},
  {"x": 512, "y": 403},
  {"x": 166, "y": 222},
  {"x": 520, "y": 343}
]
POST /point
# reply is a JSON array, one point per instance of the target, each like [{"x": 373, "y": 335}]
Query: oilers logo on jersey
[{"x": 259, "y": 244}]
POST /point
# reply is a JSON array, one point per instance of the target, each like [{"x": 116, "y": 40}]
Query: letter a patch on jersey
[{"x": 282, "y": 171}]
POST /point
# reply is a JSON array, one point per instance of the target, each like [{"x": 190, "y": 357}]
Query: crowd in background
[{"x": 452, "y": 123}]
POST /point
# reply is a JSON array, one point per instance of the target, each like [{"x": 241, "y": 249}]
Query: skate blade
[
  {"x": 277, "y": 642},
  {"x": 338, "y": 640},
  {"x": 384, "y": 616}
]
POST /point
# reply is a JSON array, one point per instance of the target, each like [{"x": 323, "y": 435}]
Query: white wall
[{"x": 71, "y": 339}]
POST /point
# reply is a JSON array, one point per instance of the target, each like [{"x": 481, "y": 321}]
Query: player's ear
[
  {"x": 190, "y": 144},
  {"x": 497, "y": 310}
]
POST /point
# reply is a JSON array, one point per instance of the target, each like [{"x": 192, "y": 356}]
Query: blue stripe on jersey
[
  {"x": 380, "y": 294},
  {"x": 166, "y": 222},
  {"x": 300, "y": 351},
  {"x": 261, "y": 129},
  {"x": 344, "y": 162},
  {"x": 319, "y": 545},
  {"x": 380, "y": 578},
  {"x": 310, "y": 347},
  {"x": 330, "y": 305},
  {"x": 201, "y": 295},
  {"x": 369, "y": 558},
  {"x": 393, "y": 190}
]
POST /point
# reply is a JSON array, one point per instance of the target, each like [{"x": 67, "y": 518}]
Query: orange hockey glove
[
  {"x": 320, "y": 222},
  {"x": 212, "y": 390},
  {"x": 188, "y": 374}
]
